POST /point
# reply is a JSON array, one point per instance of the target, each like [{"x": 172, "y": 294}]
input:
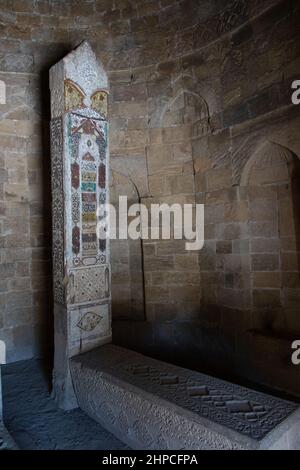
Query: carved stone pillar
[
  {"x": 2, "y": 361},
  {"x": 80, "y": 159}
]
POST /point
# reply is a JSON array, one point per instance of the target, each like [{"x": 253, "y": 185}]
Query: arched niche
[
  {"x": 270, "y": 164},
  {"x": 127, "y": 285},
  {"x": 187, "y": 107},
  {"x": 271, "y": 181}
]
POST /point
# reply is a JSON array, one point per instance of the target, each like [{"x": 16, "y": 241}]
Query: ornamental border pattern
[{"x": 57, "y": 177}]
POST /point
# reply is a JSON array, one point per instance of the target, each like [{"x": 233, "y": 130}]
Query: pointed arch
[
  {"x": 194, "y": 109},
  {"x": 269, "y": 155},
  {"x": 128, "y": 292},
  {"x": 270, "y": 181},
  {"x": 119, "y": 180}
]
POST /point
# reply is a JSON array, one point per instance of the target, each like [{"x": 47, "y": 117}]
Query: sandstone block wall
[{"x": 198, "y": 90}]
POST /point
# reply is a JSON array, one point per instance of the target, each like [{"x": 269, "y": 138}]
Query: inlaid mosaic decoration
[
  {"x": 87, "y": 148},
  {"x": 57, "y": 172},
  {"x": 79, "y": 137},
  {"x": 79, "y": 163},
  {"x": 74, "y": 98},
  {"x": 90, "y": 284}
]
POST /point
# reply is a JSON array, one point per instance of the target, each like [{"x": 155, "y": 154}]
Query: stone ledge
[{"x": 144, "y": 402}]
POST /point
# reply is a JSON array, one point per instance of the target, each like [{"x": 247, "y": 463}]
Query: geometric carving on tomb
[
  {"x": 210, "y": 413},
  {"x": 251, "y": 413}
]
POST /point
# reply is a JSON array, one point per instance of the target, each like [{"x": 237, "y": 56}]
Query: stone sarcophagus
[{"x": 79, "y": 167}]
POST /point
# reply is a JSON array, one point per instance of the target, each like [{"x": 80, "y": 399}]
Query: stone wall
[
  {"x": 127, "y": 278},
  {"x": 197, "y": 90}
]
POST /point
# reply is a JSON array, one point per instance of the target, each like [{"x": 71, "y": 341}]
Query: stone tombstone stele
[
  {"x": 79, "y": 173},
  {"x": 2, "y": 92},
  {"x": 2, "y": 352},
  {"x": 2, "y": 361}
]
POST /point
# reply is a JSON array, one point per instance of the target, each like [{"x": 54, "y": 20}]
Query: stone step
[{"x": 149, "y": 404}]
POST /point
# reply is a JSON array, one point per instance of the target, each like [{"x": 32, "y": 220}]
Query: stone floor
[{"x": 34, "y": 421}]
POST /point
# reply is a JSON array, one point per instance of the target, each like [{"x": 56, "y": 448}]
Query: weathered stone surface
[
  {"x": 116, "y": 386},
  {"x": 265, "y": 262}
]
